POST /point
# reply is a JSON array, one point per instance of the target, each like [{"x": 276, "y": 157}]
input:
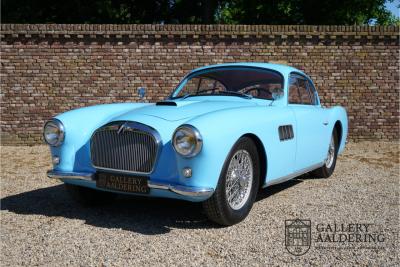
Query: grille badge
[{"x": 123, "y": 128}]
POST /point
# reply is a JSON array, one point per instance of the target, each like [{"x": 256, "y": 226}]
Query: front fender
[
  {"x": 220, "y": 131},
  {"x": 79, "y": 126},
  {"x": 207, "y": 165}
]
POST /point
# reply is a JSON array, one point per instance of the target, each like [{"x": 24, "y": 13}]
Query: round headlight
[
  {"x": 187, "y": 141},
  {"x": 53, "y": 132}
]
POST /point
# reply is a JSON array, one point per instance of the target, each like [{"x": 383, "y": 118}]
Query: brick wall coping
[
  {"x": 47, "y": 69},
  {"x": 119, "y": 30}
]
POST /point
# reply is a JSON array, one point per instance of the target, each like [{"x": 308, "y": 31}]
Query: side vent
[
  {"x": 285, "y": 132},
  {"x": 166, "y": 103}
]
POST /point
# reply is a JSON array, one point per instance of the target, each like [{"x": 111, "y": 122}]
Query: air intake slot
[
  {"x": 285, "y": 132},
  {"x": 166, "y": 103}
]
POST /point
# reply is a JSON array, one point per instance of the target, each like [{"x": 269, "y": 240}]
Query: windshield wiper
[
  {"x": 233, "y": 93},
  {"x": 190, "y": 95},
  {"x": 182, "y": 96},
  {"x": 187, "y": 95}
]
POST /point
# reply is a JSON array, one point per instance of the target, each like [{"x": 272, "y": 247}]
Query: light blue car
[{"x": 225, "y": 132}]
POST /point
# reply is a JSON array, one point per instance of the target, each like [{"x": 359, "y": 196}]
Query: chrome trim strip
[
  {"x": 70, "y": 175},
  {"x": 188, "y": 191},
  {"x": 122, "y": 171},
  {"x": 129, "y": 126},
  {"x": 293, "y": 175},
  {"x": 191, "y": 191},
  {"x": 156, "y": 185}
]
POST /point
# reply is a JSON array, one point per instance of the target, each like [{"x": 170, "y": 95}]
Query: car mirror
[
  {"x": 141, "y": 92},
  {"x": 277, "y": 93}
]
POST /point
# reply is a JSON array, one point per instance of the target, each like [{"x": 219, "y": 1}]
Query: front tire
[
  {"x": 330, "y": 162},
  {"x": 89, "y": 197},
  {"x": 237, "y": 185}
]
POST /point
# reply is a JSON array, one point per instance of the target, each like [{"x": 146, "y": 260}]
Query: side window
[
  {"x": 294, "y": 97},
  {"x": 304, "y": 92}
]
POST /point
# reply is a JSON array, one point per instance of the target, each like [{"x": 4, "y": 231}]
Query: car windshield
[{"x": 232, "y": 81}]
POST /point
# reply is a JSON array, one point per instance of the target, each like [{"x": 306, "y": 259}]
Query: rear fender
[{"x": 338, "y": 114}]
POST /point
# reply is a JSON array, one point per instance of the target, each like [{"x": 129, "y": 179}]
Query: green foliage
[
  {"x": 346, "y": 12},
  {"x": 84, "y": 11},
  {"x": 304, "y": 12}
]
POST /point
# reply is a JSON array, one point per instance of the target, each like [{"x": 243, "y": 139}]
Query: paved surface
[{"x": 40, "y": 225}]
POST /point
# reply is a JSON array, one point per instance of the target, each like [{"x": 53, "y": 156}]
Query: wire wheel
[
  {"x": 239, "y": 179},
  {"x": 331, "y": 154}
]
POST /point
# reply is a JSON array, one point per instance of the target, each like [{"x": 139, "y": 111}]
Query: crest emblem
[{"x": 297, "y": 236}]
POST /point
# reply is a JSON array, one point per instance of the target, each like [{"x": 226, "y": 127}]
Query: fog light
[
  {"x": 187, "y": 172},
  {"x": 56, "y": 160}
]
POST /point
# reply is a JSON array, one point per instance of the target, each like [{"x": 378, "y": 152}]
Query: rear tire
[
  {"x": 89, "y": 197},
  {"x": 330, "y": 163},
  {"x": 237, "y": 185}
]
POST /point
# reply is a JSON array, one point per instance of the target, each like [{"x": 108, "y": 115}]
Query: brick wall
[{"x": 48, "y": 69}]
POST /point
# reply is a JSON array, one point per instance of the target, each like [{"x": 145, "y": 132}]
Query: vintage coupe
[{"x": 225, "y": 132}]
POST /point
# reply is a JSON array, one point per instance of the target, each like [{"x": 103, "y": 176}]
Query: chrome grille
[{"x": 130, "y": 149}]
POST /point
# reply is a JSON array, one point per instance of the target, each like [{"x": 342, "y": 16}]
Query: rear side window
[
  {"x": 301, "y": 91},
  {"x": 294, "y": 97},
  {"x": 304, "y": 92},
  {"x": 313, "y": 93}
]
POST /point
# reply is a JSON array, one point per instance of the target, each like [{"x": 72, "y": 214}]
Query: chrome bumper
[{"x": 178, "y": 189}]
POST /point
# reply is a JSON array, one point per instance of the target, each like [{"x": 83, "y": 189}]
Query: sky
[{"x": 393, "y": 7}]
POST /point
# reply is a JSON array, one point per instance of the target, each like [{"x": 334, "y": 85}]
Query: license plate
[{"x": 122, "y": 182}]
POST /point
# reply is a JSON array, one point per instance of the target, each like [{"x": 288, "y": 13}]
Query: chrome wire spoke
[
  {"x": 331, "y": 154},
  {"x": 239, "y": 179},
  {"x": 234, "y": 178},
  {"x": 234, "y": 195}
]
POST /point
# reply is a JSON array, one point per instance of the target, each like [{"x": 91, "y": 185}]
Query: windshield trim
[{"x": 179, "y": 87}]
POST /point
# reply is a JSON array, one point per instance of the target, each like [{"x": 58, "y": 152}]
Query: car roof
[{"x": 283, "y": 69}]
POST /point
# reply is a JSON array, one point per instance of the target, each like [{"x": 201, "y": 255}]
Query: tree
[
  {"x": 346, "y": 12},
  {"x": 304, "y": 12},
  {"x": 84, "y": 11}
]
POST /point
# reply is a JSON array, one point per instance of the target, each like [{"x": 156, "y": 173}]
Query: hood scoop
[{"x": 166, "y": 103}]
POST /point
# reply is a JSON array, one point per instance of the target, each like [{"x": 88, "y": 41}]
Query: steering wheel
[{"x": 258, "y": 90}]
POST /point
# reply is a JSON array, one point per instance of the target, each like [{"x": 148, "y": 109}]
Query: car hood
[{"x": 185, "y": 109}]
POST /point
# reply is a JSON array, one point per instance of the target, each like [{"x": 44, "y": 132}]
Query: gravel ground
[{"x": 41, "y": 225}]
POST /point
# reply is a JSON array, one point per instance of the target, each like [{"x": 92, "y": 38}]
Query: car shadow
[
  {"x": 148, "y": 216},
  {"x": 274, "y": 189}
]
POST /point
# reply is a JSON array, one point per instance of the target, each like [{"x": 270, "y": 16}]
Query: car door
[{"x": 311, "y": 123}]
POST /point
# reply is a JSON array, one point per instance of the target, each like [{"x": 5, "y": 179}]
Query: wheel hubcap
[
  {"x": 239, "y": 179},
  {"x": 331, "y": 154}
]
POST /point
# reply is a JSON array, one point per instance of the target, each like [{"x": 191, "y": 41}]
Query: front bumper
[{"x": 186, "y": 191}]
